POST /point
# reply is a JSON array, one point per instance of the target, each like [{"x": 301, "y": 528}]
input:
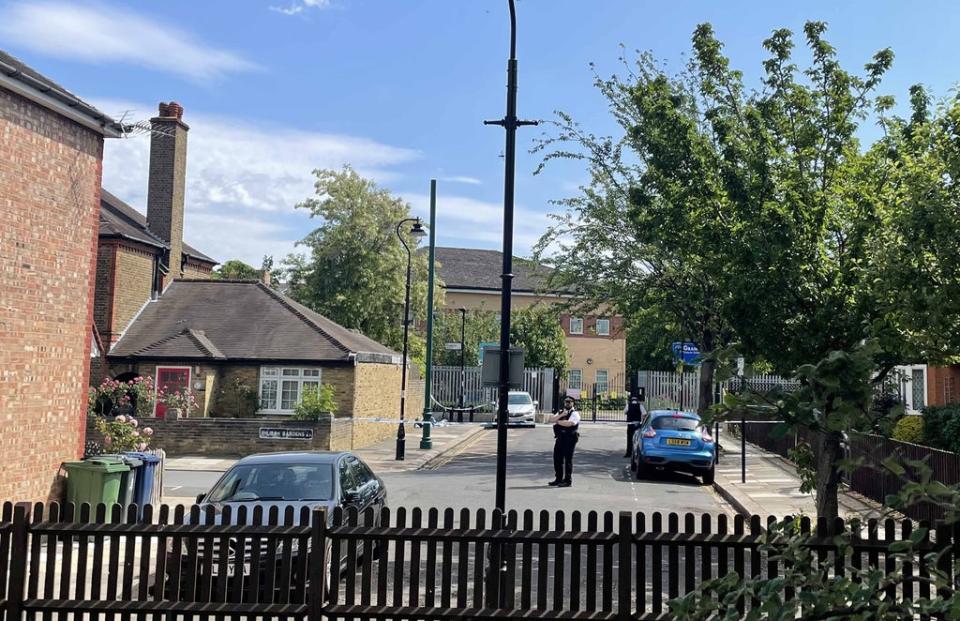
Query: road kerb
[{"x": 742, "y": 503}]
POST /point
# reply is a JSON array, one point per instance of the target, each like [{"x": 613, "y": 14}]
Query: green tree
[
  {"x": 760, "y": 215},
  {"x": 537, "y": 330},
  {"x": 640, "y": 236},
  {"x": 235, "y": 269},
  {"x": 355, "y": 268},
  {"x": 480, "y": 326}
]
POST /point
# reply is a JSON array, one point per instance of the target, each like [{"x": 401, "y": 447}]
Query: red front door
[{"x": 170, "y": 380}]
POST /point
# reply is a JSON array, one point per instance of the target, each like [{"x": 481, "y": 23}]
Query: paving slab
[{"x": 772, "y": 486}]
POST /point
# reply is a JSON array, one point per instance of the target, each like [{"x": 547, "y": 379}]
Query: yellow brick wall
[{"x": 132, "y": 283}]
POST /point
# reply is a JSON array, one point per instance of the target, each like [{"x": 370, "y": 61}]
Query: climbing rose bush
[{"x": 123, "y": 433}]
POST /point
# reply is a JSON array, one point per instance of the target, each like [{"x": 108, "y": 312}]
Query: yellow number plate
[{"x": 678, "y": 441}]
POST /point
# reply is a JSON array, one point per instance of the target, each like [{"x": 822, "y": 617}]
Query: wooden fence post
[
  {"x": 624, "y": 582},
  {"x": 18, "y": 560},
  {"x": 317, "y": 595}
]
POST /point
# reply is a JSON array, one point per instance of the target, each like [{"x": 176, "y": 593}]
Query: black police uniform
[
  {"x": 634, "y": 416},
  {"x": 565, "y": 440}
]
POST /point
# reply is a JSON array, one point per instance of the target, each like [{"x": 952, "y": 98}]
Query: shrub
[
  {"x": 315, "y": 402},
  {"x": 941, "y": 427},
  {"x": 123, "y": 434},
  {"x": 909, "y": 429}
]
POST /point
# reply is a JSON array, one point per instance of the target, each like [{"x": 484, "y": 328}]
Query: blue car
[{"x": 674, "y": 440}]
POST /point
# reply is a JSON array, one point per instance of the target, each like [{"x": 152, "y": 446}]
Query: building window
[
  {"x": 918, "y": 389},
  {"x": 574, "y": 379},
  {"x": 602, "y": 385},
  {"x": 576, "y": 325},
  {"x": 603, "y": 327},
  {"x": 282, "y": 388}
]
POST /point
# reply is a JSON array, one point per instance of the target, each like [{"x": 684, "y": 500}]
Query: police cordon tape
[{"x": 448, "y": 423}]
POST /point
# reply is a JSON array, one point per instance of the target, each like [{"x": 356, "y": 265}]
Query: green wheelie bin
[{"x": 95, "y": 481}]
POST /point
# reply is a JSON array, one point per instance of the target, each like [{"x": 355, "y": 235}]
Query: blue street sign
[{"x": 688, "y": 352}]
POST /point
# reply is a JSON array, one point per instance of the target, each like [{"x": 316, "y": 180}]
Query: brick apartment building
[
  {"x": 51, "y": 149},
  {"x": 596, "y": 342}
]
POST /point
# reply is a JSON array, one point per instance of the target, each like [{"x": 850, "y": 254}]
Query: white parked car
[{"x": 521, "y": 408}]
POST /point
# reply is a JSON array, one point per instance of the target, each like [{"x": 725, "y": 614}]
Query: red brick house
[{"x": 51, "y": 150}]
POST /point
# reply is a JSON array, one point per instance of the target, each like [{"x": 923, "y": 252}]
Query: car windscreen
[
  {"x": 277, "y": 482},
  {"x": 676, "y": 423},
  {"x": 519, "y": 399}
]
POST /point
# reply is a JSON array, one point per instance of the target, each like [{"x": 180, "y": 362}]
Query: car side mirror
[
  {"x": 200, "y": 498},
  {"x": 536, "y": 404}
]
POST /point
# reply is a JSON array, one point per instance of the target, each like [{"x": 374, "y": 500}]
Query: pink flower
[
  {"x": 142, "y": 446},
  {"x": 135, "y": 433},
  {"x": 121, "y": 419},
  {"x": 133, "y": 422},
  {"x": 148, "y": 431},
  {"x": 107, "y": 440}
]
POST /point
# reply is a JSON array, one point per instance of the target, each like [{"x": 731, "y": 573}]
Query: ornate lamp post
[{"x": 417, "y": 232}]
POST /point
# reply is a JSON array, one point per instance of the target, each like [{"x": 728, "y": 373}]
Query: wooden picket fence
[{"x": 403, "y": 563}]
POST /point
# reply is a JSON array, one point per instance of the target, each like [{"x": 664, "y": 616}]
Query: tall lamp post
[
  {"x": 426, "y": 442},
  {"x": 510, "y": 123},
  {"x": 417, "y": 232},
  {"x": 463, "y": 331}
]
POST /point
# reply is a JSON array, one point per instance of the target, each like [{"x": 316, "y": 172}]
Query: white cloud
[
  {"x": 463, "y": 221},
  {"x": 296, "y": 7},
  {"x": 243, "y": 179},
  {"x": 462, "y": 179},
  {"x": 104, "y": 34}
]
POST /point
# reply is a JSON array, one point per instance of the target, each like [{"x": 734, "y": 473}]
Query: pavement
[{"x": 773, "y": 488}]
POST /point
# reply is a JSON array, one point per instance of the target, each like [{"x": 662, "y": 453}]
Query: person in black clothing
[
  {"x": 634, "y": 412},
  {"x": 566, "y": 425}
]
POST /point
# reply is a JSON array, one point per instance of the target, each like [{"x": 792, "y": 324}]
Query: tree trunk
[
  {"x": 828, "y": 476},
  {"x": 707, "y": 368}
]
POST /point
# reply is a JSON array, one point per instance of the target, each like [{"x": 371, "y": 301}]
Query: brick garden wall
[
  {"x": 50, "y": 172},
  {"x": 239, "y": 437}
]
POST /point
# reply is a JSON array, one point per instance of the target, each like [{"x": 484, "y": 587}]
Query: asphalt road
[{"x": 601, "y": 478}]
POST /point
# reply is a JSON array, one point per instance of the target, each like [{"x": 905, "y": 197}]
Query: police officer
[
  {"x": 566, "y": 425},
  {"x": 634, "y": 412}
]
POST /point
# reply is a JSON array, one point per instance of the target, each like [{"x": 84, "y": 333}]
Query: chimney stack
[
  {"x": 165, "y": 189},
  {"x": 266, "y": 278}
]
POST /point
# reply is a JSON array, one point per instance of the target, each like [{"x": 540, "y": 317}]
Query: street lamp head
[{"x": 417, "y": 231}]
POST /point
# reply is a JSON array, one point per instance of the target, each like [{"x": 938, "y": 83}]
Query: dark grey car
[{"x": 295, "y": 480}]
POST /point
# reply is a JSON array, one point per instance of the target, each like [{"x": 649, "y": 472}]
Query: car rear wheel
[
  {"x": 708, "y": 476},
  {"x": 641, "y": 470}
]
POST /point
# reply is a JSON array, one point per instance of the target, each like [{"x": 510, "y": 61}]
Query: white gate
[{"x": 446, "y": 387}]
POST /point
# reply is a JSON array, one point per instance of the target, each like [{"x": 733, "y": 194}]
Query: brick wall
[
  {"x": 103, "y": 294},
  {"x": 50, "y": 170},
  {"x": 197, "y": 270},
  {"x": 377, "y": 396},
  {"x": 943, "y": 385},
  {"x": 239, "y": 437},
  {"x": 132, "y": 284}
]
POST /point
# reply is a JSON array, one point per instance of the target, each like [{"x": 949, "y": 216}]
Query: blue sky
[{"x": 398, "y": 89}]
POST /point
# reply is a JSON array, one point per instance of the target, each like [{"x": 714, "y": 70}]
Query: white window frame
[
  {"x": 579, "y": 385},
  {"x": 606, "y": 330},
  {"x": 276, "y": 374},
  {"x": 156, "y": 380},
  {"x": 603, "y": 387},
  {"x": 907, "y": 386},
  {"x": 580, "y": 322}
]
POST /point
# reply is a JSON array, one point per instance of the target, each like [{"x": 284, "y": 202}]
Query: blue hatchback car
[{"x": 674, "y": 440}]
